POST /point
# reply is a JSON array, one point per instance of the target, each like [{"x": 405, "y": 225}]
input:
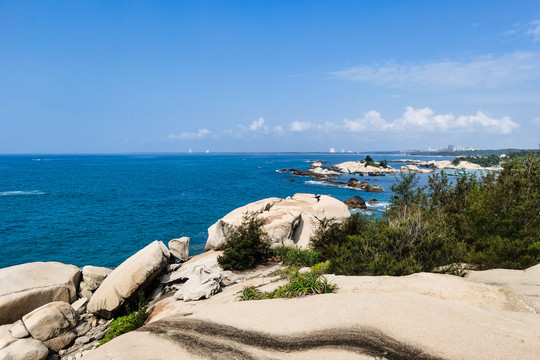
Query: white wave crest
[{"x": 18, "y": 193}]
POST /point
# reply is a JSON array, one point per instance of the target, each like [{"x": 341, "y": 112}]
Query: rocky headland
[{"x": 58, "y": 311}]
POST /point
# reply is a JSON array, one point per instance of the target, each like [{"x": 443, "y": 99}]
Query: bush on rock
[{"x": 246, "y": 245}]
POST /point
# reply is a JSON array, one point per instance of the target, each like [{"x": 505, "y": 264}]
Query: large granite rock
[
  {"x": 127, "y": 279},
  {"x": 51, "y": 320},
  {"x": 180, "y": 248},
  {"x": 219, "y": 231},
  {"x": 25, "y": 349},
  {"x": 93, "y": 276},
  {"x": 289, "y": 221},
  {"x": 26, "y": 287}
]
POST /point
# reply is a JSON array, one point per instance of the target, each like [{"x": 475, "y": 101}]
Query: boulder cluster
[{"x": 50, "y": 310}]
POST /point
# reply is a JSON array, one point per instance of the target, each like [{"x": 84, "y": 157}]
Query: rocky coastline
[{"x": 59, "y": 311}]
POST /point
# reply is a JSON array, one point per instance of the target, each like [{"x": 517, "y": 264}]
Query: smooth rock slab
[
  {"x": 127, "y": 279},
  {"x": 26, "y": 287},
  {"x": 51, "y": 320},
  {"x": 25, "y": 349}
]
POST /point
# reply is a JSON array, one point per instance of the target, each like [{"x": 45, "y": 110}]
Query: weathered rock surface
[
  {"x": 18, "y": 330},
  {"x": 219, "y": 230},
  {"x": 525, "y": 283},
  {"x": 37, "y": 284},
  {"x": 179, "y": 248},
  {"x": 361, "y": 167},
  {"x": 25, "y": 349},
  {"x": 282, "y": 219},
  {"x": 421, "y": 316},
  {"x": 93, "y": 276},
  {"x": 414, "y": 168},
  {"x": 51, "y": 320},
  {"x": 128, "y": 278},
  {"x": 356, "y": 202},
  {"x": 199, "y": 286}
]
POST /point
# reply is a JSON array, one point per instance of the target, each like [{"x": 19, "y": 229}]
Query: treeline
[{"x": 487, "y": 222}]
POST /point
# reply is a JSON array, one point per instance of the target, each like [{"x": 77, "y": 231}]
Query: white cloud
[
  {"x": 534, "y": 30},
  {"x": 299, "y": 126},
  {"x": 536, "y": 121},
  {"x": 190, "y": 135},
  {"x": 426, "y": 120},
  {"x": 372, "y": 120},
  {"x": 258, "y": 124},
  {"x": 487, "y": 70},
  {"x": 415, "y": 120}
]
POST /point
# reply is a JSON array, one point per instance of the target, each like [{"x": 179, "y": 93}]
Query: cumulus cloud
[
  {"x": 256, "y": 128},
  {"x": 370, "y": 121},
  {"x": 190, "y": 135},
  {"x": 426, "y": 120},
  {"x": 258, "y": 124},
  {"x": 487, "y": 70},
  {"x": 415, "y": 120}
]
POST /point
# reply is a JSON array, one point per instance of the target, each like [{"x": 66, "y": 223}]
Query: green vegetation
[
  {"x": 130, "y": 322},
  {"x": 296, "y": 257},
  {"x": 299, "y": 285},
  {"x": 484, "y": 161},
  {"x": 489, "y": 222},
  {"x": 369, "y": 161},
  {"x": 246, "y": 246}
]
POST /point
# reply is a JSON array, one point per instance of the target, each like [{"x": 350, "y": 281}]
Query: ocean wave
[
  {"x": 380, "y": 205},
  {"x": 17, "y": 193}
]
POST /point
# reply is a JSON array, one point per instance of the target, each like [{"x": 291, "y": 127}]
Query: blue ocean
[{"x": 100, "y": 209}]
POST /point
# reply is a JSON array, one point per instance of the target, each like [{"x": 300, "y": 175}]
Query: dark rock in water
[
  {"x": 308, "y": 173},
  {"x": 289, "y": 180},
  {"x": 356, "y": 202},
  {"x": 373, "y": 188},
  {"x": 373, "y": 201},
  {"x": 354, "y": 183}
]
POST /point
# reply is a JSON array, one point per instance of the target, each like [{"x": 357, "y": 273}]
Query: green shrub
[
  {"x": 296, "y": 257},
  {"x": 299, "y": 285},
  {"x": 320, "y": 268},
  {"x": 252, "y": 293},
  {"x": 125, "y": 324},
  {"x": 246, "y": 245},
  {"x": 368, "y": 246}
]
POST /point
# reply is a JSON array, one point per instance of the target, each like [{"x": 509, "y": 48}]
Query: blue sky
[{"x": 130, "y": 76}]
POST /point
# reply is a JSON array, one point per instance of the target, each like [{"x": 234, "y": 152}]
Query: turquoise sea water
[{"x": 99, "y": 210}]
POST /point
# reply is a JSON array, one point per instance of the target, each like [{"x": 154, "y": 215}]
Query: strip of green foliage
[
  {"x": 484, "y": 161},
  {"x": 125, "y": 324},
  {"x": 296, "y": 257},
  {"x": 299, "y": 285},
  {"x": 246, "y": 245},
  {"x": 493, "y": 221}
]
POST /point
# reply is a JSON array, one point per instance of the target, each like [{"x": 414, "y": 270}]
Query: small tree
[{"x": 246, "y": 245}]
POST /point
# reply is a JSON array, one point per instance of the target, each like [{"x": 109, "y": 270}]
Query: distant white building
[{"x": 332, "y": 150}]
